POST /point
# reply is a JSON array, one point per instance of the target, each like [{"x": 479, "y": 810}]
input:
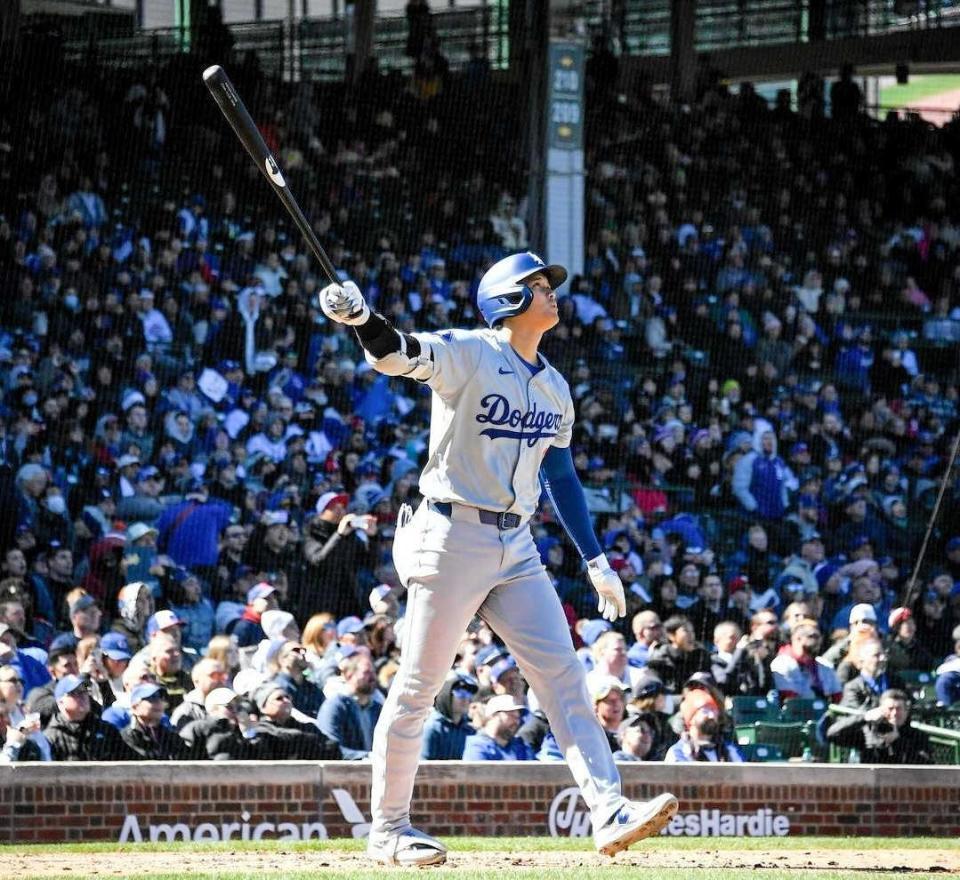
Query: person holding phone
[
  {"x": 20, "y": 733},
  {"x": 338, "y": 542}
]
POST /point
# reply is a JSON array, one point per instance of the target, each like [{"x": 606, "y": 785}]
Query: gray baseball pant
[{"x": 456, "y": 567}]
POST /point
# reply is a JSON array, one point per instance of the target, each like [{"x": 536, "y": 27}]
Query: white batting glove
[
  {"x": 344, "y": 303},
  {"x": 609, "y": 587}
]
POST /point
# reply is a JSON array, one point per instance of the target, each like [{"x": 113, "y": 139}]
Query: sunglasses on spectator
[
  {"x": 11, "y": 681},
  {"x": 462, "y": 693}
]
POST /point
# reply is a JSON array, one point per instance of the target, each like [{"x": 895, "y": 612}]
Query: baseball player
[{"x": 501, "y": 423}]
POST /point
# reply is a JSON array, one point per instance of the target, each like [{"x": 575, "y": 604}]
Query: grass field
[
  {"x": 792, "y": 858},
  {"x": 918, "y": 89}
]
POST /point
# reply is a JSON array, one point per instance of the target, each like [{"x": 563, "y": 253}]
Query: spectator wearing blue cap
[
  {"x": 231, "y": 370},
  {"x": 497, "y": 739},
  {"x": 505, "y": 678},
  {"x": 76, "y": 732},
  {"x": 61, "y": 662},
  {"x": 589, "y": 631},
  {"x": 248, "y": 631},
  {"x": 348, "y": 633},
  {"x": 146, "y": 735},
  {"x": 116, "y": 655},
  {"x": 804, "y": 522},
  {"x": 860, "y": 525},
  {"x": 189, "y": 532},
  {"x": 85, "y": 615},
  {"x": 447, "y": 727}
]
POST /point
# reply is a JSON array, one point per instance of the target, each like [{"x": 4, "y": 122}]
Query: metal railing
[
  {"x": 643, "y": 26},
  {"x": 316, "y": 48},
  {"x": 312, "y": 49},
  {"x": 944, "y": 741}
]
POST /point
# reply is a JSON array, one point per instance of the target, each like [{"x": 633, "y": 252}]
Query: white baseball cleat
[
  {"x": 409, "y": 848},
  {"x": 635, "y": 821}
]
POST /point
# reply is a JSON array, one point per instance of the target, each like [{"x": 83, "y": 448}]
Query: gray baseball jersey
[{"x": 492, "y": 422}]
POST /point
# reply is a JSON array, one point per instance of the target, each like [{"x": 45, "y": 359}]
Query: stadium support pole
[
  {"x": 533, "y": 72},
  {"x": 364, "y": 12},
  {"x": 683, "y": 50},
  {"x": 9, "y": 35},
  {"x": 912, "y": 585}
]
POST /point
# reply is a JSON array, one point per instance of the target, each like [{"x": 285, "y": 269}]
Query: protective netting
[{"x": 761, "y": 350}]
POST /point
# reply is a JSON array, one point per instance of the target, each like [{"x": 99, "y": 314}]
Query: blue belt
[{"x": 502, "y": 521}]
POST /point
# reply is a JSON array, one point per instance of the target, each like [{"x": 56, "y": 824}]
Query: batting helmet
[{"x": 502, "y": 292}]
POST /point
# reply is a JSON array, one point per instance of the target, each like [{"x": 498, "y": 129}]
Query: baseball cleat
[
  {"x": 635, "y": 821},
  {"x": 409, "y": 848}
]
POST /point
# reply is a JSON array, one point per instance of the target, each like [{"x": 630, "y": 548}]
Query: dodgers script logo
[{"x": 533, "y": 425}]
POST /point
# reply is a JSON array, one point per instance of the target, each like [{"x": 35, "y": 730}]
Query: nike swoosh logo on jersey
[{"x": 504, "y": 372}]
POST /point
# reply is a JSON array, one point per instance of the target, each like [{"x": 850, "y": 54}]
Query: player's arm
[
  {"x": 559, "y": 479},
  {"x": 385, "y": 348}
]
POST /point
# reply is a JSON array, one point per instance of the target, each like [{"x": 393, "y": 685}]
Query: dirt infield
[{"x": 185, "y": 864}]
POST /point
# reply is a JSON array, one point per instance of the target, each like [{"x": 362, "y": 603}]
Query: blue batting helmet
[{"x": 502, "y": 292}]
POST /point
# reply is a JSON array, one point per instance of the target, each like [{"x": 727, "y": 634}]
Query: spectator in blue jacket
[
  {"x": 261, "y": 598},
  {"x": 190, "y": 531},
  {"x": 760, "y": 480},
  {"x": 191, "y": 607},
  {"x": 349, "y": 717},
  {"x": 448, "y": 727},
  {"x": 31, "y": 671},
  {"x": 498, "y": 740},
  {"x": 290, "y": 663},
  {"x": 948, "y": 675}
]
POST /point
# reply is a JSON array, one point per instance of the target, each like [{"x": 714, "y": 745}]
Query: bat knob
[{"x": 214, "y": 70}]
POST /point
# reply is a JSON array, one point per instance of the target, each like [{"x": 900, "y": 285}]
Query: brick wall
[{"x": 295, "y": 800}]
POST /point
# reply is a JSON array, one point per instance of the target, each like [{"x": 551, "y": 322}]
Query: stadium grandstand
[{"x": 200, "y": 474}]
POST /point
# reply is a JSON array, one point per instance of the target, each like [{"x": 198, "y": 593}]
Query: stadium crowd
[{"x": 199, "y": 476}]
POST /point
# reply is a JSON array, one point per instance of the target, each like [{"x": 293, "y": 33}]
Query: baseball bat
[{"x": 233, "y": 108}]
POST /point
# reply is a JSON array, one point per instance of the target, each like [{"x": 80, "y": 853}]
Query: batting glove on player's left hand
[
  {"x": 609, "y": 587},
  {"x": 344, "y": 303}
]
